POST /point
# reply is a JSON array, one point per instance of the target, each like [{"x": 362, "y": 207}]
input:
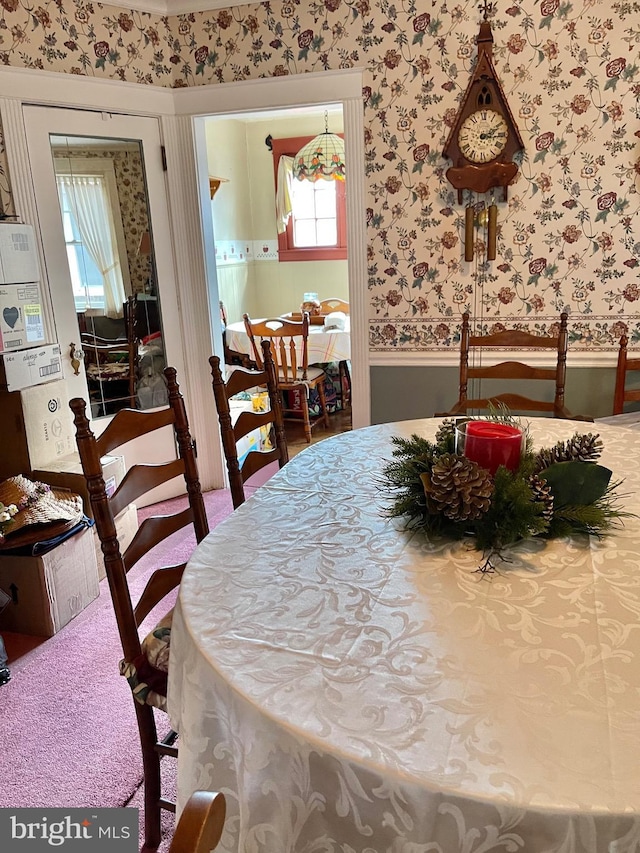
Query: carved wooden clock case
[{"x": 484, "y": 138}]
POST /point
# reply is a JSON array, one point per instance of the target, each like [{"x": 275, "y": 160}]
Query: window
[
  {"x": 86, "y": 279},
  {"x": 93, "y": 234},
  {"x": 317, "y": 227}
]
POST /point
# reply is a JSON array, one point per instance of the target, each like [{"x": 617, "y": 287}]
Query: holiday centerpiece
[{"x": 481, "y": 478}]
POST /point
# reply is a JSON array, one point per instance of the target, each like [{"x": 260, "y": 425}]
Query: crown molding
[{"x": 169, "y": 8}]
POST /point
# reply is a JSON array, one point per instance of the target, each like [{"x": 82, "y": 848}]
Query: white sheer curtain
[
  {"x": 89, "y": 200},
  {"x": 283, "y": 192}
]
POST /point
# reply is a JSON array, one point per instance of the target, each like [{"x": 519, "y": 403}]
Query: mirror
[{"x": 109, "y": 248}]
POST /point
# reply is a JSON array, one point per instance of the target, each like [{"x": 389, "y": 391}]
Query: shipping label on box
[
  {"x": 24, "y": 369},
  {"x": 21, "y": 322},
  {"x": 47, "y": 592}
]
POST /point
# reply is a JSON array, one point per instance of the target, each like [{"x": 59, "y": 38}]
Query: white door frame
[{"x": 203, "y": 102}]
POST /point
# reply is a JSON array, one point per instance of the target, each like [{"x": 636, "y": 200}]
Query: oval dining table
[{"x": 353, "y": 687}]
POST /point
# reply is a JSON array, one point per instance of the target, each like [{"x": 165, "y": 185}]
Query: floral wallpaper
[
  {"x": 567, "y": 236},
  {"x": 132, "y": 198}
]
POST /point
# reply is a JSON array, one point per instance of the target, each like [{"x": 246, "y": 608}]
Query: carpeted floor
[{"x": 67, "y": 724}]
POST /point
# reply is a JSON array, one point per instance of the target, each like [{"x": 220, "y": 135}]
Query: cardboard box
[
  {"x": 18, "y": 254},
  {"x": 40, "y": 424},
  {"x": 21, "y": 320},
  {"x": 29, "y": 367},
  {"x": 127, "y": 526},
  {"x": 48, "y": 592},
  {"x": 66, "y": 471}
]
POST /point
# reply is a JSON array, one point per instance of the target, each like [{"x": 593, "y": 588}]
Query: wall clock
[{"x": 484, "y": 137}]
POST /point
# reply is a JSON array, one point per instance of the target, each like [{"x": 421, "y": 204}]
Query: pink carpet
[{"x": 67, "y": 724}]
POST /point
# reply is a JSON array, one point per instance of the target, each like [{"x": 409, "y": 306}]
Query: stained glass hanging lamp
[{"x": 322, "y": 158}]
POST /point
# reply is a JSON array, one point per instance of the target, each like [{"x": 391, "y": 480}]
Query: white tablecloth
[
  {"x": 322, "y": 346},
  {"x": 352, "y": 687}
]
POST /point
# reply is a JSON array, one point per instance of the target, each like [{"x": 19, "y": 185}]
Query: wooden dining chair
[
  {"x": 513, "y": 339},
  {"x": 145, "y": 662},
  {"x": 289, "y": 349},
  {"x": 201, "y": 823},
  {"x": 326, "y": 307},
  {"x": 333, "y": 304},
  {"x": 239, "y": 381},
  {"x": 231, "y": 356},
  {"x": 622, "y": 394}
]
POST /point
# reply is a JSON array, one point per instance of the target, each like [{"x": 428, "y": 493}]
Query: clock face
[{"x": 482, "y": 136}]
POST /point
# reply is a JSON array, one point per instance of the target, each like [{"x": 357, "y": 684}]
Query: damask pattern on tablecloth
[{"x": 356, "y": 687}]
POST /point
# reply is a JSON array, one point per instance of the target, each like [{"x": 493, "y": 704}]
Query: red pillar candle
[{"x": 493, "y": 444}]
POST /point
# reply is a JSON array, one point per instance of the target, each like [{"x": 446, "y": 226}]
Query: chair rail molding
[{"x": 452, "y": 358}]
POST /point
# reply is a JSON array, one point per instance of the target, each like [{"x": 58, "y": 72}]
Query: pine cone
[
  {"x": 580, "y": 448},
  {"x": 446, "y": 434},
  {"x": 459, "y": 488},
  {"x": 542, "y": 494}
]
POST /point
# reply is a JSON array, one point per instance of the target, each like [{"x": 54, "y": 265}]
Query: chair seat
[{"x": 147, "y": 674}]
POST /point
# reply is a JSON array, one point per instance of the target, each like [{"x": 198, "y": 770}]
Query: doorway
[{"x": 242, "y": 159}]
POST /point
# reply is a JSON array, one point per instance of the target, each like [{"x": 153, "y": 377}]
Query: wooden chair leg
[
  {"x": 323, "y": 403},
  {"x": 151, "y": 776},
  {"x": 345, "y": 381},
  {"x": 305, "y": 414}
]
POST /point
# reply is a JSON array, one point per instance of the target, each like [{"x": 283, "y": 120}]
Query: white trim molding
[
  {"x": 169, "y": 8},
  {"x": 452, "y": 358},
  {"x": 90, "y": 93},
  {"x": 270, "y": 93}
]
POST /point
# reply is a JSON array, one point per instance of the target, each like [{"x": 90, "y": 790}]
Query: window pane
[
  {"x": 326, "y": 199},
  {"x": 304, "y": 232},
  {"x": 303, "y": 195},
  {"x": 327, "y": 232}
]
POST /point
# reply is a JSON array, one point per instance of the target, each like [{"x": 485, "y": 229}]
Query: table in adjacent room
[{"x": 324, "y": 345}]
